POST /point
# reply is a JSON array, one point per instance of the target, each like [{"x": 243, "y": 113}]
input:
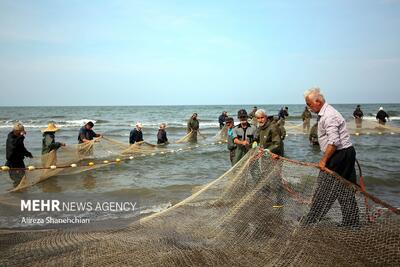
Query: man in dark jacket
[
  {"x": 86, "y": 133},
  {"x": 381, "y": 116},
  {"x": 221, "y": 119},
  {"x": 283, "y": 113},
  {"x": 136, "y": 134},
  {"x": 358, "y": 115},
  {"x": 193, "y": 126},
  {"x": 16, "y": 152},
  {"x": 268, "y": 134},
  {"x": 162, "y": 134}
]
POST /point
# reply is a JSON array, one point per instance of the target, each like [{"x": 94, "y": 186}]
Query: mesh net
[
  {"x": 85, "y": 156},
  {"x": 263, "y": 211},
  {"x": 371, "y": 127},
  {"x": 356, "y": 127},
  {"x": 190, "y": 137},
  {"x": 222, "y": 135}
]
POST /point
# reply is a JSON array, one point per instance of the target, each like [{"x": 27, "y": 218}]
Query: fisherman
[
  {"x": 136, "y": 135},
  {"x": 306, "y": 117},
  {"x": 268, "y": 134},
  {"x": 381, "y": 116},
  {"x": 338, "y": 156},
  {"x": 16, "y": 152},
  {"x": 282, "y": 130},
  {"x": 193, "y": 127},
  {"x": 229, "y": 122},
  {"x": 313, "y": 137},
  {"x": 86, "y": 133},
  {"x": 358, "y": 115},
  {"x": 48, "y": 142},
  {"x": 243, "y": 136},
  {"x": 162, "y": 134},
  {"x": 221, "y": 119},
  {"x": 283, "y": 113},
  {"x": 252, "y": 114}
]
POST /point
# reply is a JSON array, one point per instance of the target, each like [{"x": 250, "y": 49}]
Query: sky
[{"x": 198, "y": 52}]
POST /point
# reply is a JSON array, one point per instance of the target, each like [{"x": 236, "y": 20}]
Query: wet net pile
[{"x": 261, "y": 212}]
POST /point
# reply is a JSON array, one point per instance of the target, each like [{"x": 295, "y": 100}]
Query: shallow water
[{"x": 163, "y": 180}]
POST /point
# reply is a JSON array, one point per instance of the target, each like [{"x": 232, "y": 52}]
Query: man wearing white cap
[
  {"x": 136, "y": 134},
  {"x": 381, "y": 116},
  {"x": 16, "y": 152}
]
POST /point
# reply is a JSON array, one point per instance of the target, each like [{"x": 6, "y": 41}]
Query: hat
[
  {"x": 138, "y": 124},
  {"x": 242, "y": 113},
  {"x": 381, "y": 108},
  {"x": 51, "y": 127},
  {"x": 228, "y": 119},
  {"x": 18, "y": 127}
]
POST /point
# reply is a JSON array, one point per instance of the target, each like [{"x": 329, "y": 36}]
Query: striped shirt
[{"x": 332, "y": 129}]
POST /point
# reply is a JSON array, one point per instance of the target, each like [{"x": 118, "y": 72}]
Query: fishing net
[
  {"x": 191, "y": 137},
  {"x": 77, "y": 158},
  {"x": 359, "y": 127},
  {"x": 222, "y": 135},
  {"x": 297, "y": 128},
  {"x": 263, "y": 211}
]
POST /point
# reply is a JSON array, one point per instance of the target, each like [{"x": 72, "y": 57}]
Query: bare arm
[{"x": 327, "y": 155}]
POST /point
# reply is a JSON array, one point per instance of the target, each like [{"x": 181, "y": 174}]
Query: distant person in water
[
  {"x": 86, "y": 133},
  {"x": 252, "y": 114},
  {"x": 358, "y": 115},
  {"x": 221, "y": 119},
  {"x": 381, "y": 116},
  {"x": 16, "y": 152},
  {"x": 306, "y": 117},
  {"x": 283, "y": 113},
  {"x": 48, "y": 142},
  {"x": 162, "y": 134},
  {"x": 136, "y": 134},
  {"x": 313, "y": 137},
  {"x": 193, "y": 126}
]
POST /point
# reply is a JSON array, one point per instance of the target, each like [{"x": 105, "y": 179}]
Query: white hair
[
  {"x": 314, "y": 93},
  {"x": 260, "y": 112}
]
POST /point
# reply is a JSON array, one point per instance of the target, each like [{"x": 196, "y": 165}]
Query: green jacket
[
  {"x": 313, "y": 137},
  {"x": 306, "y": 115},
  {"x": 48, "y": 143},
  {"x": 193, "y": 124},
  {"x": 269, "y": 136}
]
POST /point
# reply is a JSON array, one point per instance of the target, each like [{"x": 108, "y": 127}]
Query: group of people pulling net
[{"x": 263, "y": 211}]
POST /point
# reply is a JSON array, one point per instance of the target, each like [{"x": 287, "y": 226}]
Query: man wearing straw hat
[
  {"x": 48, "y": 142},
  {"x": 16, "y": 152}
]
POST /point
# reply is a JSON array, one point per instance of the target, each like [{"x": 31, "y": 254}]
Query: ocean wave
[{"x": 43, "y": 123}]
